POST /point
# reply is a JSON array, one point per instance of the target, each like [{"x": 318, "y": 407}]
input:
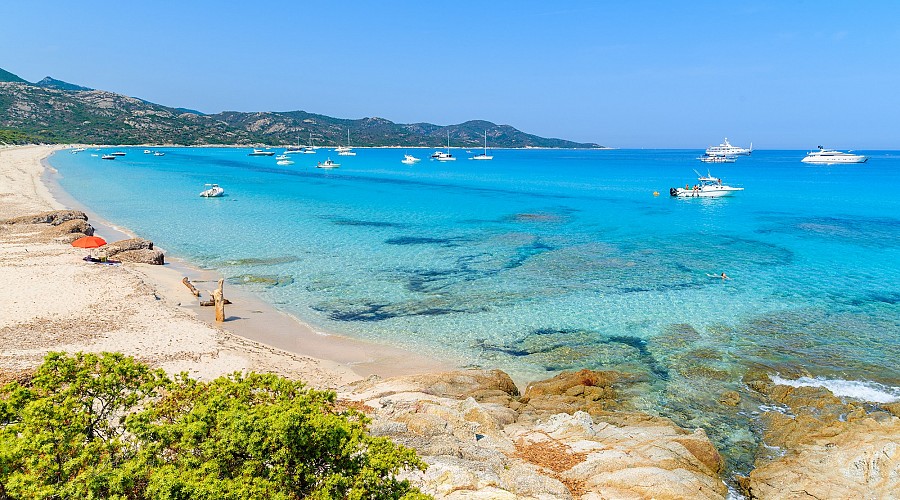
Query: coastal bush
[{"x": 106, "y": 426}]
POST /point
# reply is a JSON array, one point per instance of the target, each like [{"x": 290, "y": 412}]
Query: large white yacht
[
  {"x": 726, "y": 149},
  {"x": 830, "y": 156}
]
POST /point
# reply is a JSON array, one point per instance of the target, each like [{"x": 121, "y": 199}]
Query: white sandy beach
[{"x": 53, "y": 300}]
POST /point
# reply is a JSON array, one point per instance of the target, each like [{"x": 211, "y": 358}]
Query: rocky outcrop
[
  {"x": 125, "y": 245},
  {"x": 53, "y": 217},
  {"x": 823, "y": 447},
  {"x": 69, "y": 230},
  {"x": 136, "y": 250},
  {"x": 481, "y": 440},
  {"x": 141, "y": 256},
  {"x": 594, "y": 392},
  {"x": 64, "y": 226}
]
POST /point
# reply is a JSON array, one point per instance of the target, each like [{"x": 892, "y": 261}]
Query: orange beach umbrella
[{"x": 89, "y": 242}]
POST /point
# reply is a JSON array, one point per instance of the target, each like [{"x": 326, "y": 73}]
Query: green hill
[
  {"x": 57, "y": 111},
  {"x": 6, "y": 76},
  {"x": 53, "y": 83}
]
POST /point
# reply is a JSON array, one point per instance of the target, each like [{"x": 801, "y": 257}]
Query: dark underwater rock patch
[{"x": 267, "y": 280}]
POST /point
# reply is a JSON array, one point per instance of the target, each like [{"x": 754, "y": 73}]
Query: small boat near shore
[
  {"x": 214, "y": 191},
  {"x": 108, "y": 157},
  {"x": 707, "y": 187},
  {"x": 830, "y": 156},
  {"x": 118, "y": 153},
  {"x": 284, "y": 162},
  {"x": 159, "y": 153},
  {"x": 261, "y": 152},
  {"x": 328, "y": 164}
]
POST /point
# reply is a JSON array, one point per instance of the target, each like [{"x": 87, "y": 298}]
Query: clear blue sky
[{"x": 625, "y": 73}]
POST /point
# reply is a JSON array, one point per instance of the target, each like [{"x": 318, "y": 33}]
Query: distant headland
[{"x": 54, "y": 111}]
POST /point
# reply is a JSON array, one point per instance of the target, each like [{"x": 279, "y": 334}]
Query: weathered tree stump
[
  {"x": 219, "y": 298},
  {"x": 191, "y": 286}
]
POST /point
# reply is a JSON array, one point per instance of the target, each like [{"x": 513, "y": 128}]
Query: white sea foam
[{"x": 856, "y": 389}]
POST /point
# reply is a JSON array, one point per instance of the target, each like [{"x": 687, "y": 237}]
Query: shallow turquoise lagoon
[{"x": 545, "y": 260}]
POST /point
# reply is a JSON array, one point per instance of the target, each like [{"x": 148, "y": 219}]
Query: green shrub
[{"x": 105, "y": 426}]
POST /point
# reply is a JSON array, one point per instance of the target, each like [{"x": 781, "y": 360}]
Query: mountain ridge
[{"x": 57, "y": 111}]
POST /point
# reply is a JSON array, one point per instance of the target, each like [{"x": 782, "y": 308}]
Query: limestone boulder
[
  {"x": 461, "y": 384},
  {"x": 595, "y": 392},
  {"x": 656, "y": 459},
  {"x": 141, "y": 256},
  {"x": 69, "y": 230},
  {"x": 53, "y": 217},
  {"x": 117, "y": 247}
]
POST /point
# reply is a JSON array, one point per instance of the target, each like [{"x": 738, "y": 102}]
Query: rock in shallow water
[{"x": 828, "y": 448}]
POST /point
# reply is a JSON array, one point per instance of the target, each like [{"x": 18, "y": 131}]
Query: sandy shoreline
[{"x": 146, "y": 311}]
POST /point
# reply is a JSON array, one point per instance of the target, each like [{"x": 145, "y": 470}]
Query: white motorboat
[
  {"x": 442, "y": 156},
  {"x": 830, "y": 156},
  {"x": 108, "y": 157},
  {"x": 77, "y": 150},
  {"x": 118, "y": 153},
  {"x": 261, "y": 152},
  {"x": 214, "y": 191},
  {"x": 147, "y": 152},
  {"x": 708, "y": 158},
  {"x": 410, "y": 160},
  {"x": 159, "y": 153},
  {"x": 282, "y": 156},
  {"x": 347, "y": 153},
  {"x": 484, "y": 156},
  {"x": 328, "y": 164},
  {"x": 726, "y": 149},
  {"x": 707, "y": 187},
  {"x": 284, "y": 162}
]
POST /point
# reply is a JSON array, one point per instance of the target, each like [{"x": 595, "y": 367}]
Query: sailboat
[
  {"x": 294, "y": 149},
  {"x": 483, "y": 156},
  {"x": 310, "y": 150},
  {"x": 442, "y": 156},
  {"x": 346, "y": 151}
]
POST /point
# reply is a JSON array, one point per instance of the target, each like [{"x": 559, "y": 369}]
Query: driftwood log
[{"x": 191, "y": 286}]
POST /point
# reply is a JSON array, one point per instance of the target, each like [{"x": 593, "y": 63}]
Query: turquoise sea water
[{"x": 544, "y": 260}]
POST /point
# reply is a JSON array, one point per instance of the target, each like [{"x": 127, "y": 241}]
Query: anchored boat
[{"x": 707, "y": 187}]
